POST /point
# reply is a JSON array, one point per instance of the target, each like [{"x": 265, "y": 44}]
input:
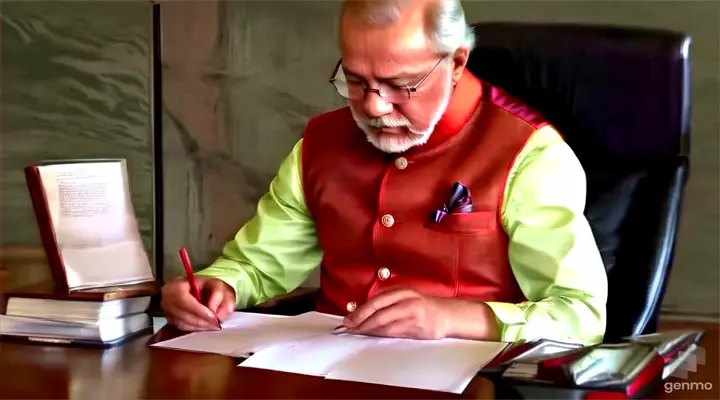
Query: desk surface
[{"x": 135, "y": 371}]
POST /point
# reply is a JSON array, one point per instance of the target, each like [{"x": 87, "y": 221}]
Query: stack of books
[
  {"x": 104, "y": 317},
  {"x": 102, "y": 280}
]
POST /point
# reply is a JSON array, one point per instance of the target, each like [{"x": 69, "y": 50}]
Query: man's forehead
[
  {"x": 406, "y": 30},
  {"x": 390, "y": 42}
]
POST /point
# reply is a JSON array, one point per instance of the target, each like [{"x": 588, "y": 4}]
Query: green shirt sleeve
[
  {"x": 275, "y": 251},
  {"x": 552, "y": 250}
]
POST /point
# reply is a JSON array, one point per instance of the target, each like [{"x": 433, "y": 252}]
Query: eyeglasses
[{"x": 355, "y": 90}]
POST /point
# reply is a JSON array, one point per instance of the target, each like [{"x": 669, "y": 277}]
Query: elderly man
[{"x": 434, "y": 204}]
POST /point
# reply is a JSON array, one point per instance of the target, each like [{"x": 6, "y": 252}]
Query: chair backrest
[{"x": 621, "y": 98}]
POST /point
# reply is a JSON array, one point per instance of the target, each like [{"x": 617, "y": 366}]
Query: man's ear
[{"x": 459, "y": 58}]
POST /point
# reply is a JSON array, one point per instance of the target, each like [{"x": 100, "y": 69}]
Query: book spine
[
  {"x": 3, "y": 297},
  {"x": 45, "y": 226}
]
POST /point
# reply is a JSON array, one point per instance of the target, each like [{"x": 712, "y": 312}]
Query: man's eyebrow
[{"x": 402, "y": 75}]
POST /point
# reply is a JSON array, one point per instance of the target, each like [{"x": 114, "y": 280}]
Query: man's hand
[
  {"x": 186, "y": 313},
  {"x": 404, "y": 313},
  {"x": 401, "y": 313}
]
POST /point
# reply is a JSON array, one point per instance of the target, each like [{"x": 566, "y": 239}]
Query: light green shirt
[{"x": 552, "y": 250}]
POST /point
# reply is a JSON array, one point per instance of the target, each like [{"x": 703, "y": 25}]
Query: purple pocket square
[{"x": 459, "y": 201}]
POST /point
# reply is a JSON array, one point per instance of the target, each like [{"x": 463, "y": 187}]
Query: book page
[{"x": 94, "y": 223}]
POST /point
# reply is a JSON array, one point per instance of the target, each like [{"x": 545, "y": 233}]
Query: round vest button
[
  {"x": 387, "y": 220},
  {"x": 383, "y": 274},
  {"x": 401, "y": 163},
  {"x": 351, "y": 306}
]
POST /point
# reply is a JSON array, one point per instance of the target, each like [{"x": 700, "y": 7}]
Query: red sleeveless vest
[{"x": 372, "y": 210}]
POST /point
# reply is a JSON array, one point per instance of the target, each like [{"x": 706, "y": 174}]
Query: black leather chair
[{"x": 621, "y": 98}]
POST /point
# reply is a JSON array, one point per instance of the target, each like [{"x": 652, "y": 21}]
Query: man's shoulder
[
  {"x": 546, "y": 155},
  {"x": 541, "y": 135},
  {"x": 514, "y": 108}
]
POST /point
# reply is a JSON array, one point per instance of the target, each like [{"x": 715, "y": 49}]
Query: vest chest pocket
[{"x": 472, "y": 223}]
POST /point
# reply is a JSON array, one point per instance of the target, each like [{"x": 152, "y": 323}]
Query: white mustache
[{"x": 386, "y": 122}]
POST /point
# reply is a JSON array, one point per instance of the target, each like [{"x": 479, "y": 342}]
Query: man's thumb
[{"x": 215, "y": 299}]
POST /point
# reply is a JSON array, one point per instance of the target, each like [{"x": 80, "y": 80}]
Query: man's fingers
[
  {"x": 399, "y": 328},
  {"x": 226, "y": 307},
  {"x": 190, "y": 322},
  {"x": 187, "y": 313},
  {"x": 185, "y": 327},
  {"x": 221, "y": 300},
  {"x": 222, "y": 297},
  {"x": 176, "y": 297},
  {"x": 377, "y": 303},
  {"x": 382, "y": 317},
  {"x": 216, "y": 298},
  {"x": 185, "y": 307},
  {"x": 189, "y": 318},
  {"x": 194, "y": 307}
]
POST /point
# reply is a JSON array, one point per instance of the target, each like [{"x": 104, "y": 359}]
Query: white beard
[{"x": 398, "y": 143}]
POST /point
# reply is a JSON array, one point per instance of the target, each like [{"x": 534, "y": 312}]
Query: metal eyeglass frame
[{"x": 410, "y": 89}]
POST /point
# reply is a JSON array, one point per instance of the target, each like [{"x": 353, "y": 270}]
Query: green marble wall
[
  {"x": 74, "y": 83},
  {"x": 234, "y": 106},
  {"x": 240, "y": 79}
]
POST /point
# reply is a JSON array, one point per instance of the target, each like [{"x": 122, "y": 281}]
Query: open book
[{"x": 87, "y": 223}]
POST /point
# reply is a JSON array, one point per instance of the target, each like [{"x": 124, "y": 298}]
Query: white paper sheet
[
  {"x": 316, "y": 356},
  {"x": 245, "y": 333},
  {"x": 305, "y": 344},
  {"x": 446, "y": 365}
]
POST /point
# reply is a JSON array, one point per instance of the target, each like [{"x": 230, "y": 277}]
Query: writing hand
[
  {"x": 186, "y": 313},
  {"x": 401, "y": 313}
]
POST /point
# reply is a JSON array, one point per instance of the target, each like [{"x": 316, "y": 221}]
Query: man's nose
[{"x": 375, "y": 106}]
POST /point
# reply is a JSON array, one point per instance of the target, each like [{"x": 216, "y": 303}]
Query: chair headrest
[{"x": 609, "y": 90}]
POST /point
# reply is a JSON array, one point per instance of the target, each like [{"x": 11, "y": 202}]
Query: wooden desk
[{"x": 136, "y": 371}]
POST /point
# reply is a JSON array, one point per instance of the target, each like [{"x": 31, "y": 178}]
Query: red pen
[{"x": 191, "y": 279}]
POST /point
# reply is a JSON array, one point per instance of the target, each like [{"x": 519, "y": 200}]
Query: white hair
[
  {"x": 450, "y": 31},
  {"x": 447, "y": 28}
]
